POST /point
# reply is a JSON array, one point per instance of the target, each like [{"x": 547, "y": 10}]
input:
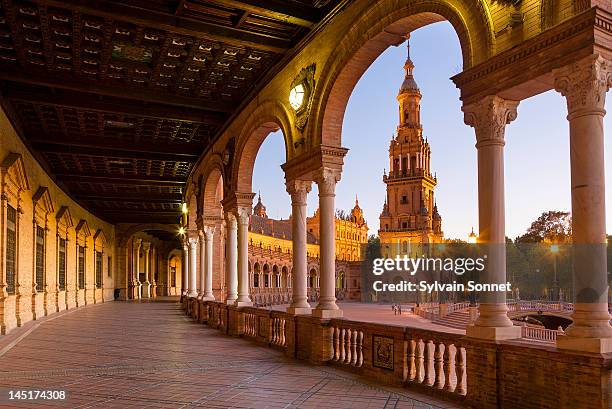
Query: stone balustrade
[
  {"x": 482, "y": 374},
  {"x": 540, "y": 334}
]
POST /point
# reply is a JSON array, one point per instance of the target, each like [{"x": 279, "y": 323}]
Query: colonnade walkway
[{"x": 148, "y": 354}]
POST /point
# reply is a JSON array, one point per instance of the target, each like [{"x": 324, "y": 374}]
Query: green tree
[{"x": 553, "y": 226}]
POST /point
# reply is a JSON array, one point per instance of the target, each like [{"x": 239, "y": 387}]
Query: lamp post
[
  {"x": 554, "y": 249},
  {"x": 472, "y": 239}
]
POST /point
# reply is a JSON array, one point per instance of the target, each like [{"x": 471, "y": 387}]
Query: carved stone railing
[
  {"x": 347, "y": 343},
  {"x": 483, "y": 373},
  {"x": 540, "y": 334},
  {"x": 459, "y": 306},
  {"x": 264, "y": 326}
]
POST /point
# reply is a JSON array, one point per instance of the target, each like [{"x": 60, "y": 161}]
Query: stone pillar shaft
[
  {"x": 242, "y": 216},
  {"x": 298, "y": 189},
  {"x": 489, "y": 118},
  {"x": 208, "y": 265},
  {"x": 584, "y": 85},
  {"x": 326, "y": 180},
  {"x": 231, "y": 256},
  {"x": 202, "y": 270},
  {"x": 193, "y": 264},
  {"x": 185, "y": 267}
]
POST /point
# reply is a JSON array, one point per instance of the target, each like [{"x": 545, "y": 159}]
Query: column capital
[
  {"x": 235, "y": 200},
  {"x": 208, "y": 231},
  {"x": 326, "y": 179},
  {"x": 242, "y": 214},
  {"x": 584, "y": 84},
  {"x": 193, "y": 241},
  {"x": 185, "y": 244},
  {"x": 137, "y": 242},
  {"x": 230, "y": 220},
  {"x": 146, "y": 246},
  {"x": 489, "y": 118},
  {"x": 298, "y": 189}
]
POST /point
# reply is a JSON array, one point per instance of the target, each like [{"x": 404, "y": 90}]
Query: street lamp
[
  {"x": 472, "y": 239},
  {"x": 554, "y": 249}
]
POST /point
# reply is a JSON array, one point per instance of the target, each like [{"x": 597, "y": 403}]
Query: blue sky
[{"x": 536, "y": 153}]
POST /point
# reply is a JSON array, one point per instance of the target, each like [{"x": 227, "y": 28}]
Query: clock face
[{"x": 296, "y": 96}]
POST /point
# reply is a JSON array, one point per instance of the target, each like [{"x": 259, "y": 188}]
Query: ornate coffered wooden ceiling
[{"x": 118, "y": 99}]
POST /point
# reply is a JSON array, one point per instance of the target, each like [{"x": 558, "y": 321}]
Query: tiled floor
[{"x": 136, "y": 355}]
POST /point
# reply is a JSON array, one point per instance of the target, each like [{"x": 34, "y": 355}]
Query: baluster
[
  {"x": 354, "y": 348},
  {"x": 360, "y": 348},
  {"x": 419, "y": 360},
  {"x": 412, "y": 346},
  {"x": 342, "y": 350},
  {"x": 448, "y": 386},
  {"x": 283, "y": 335},
  {"x": 438, "y": 370},
  {"x": 347, "y": 346},
  {"x": 427, "y": 365},
  {"x": 460, "y": 369},
  {"x": 336, "y": 344}
]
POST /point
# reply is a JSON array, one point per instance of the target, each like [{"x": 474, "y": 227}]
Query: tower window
[
  {"x": 404, "y": 200},
  {"x": 404, "y": 225}
]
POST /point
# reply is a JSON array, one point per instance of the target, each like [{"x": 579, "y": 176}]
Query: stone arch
[
  {"x": 268, "y": 117},
  {"x": 213, "y": 178},
  {"x": 136, "y": 228},
  {"x": 386, "y": 23}
]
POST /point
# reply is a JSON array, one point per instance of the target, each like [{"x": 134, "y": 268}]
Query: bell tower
[{"x": 410, "y": 214}]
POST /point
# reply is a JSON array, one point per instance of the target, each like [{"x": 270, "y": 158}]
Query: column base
[
  {"x": 243, "y": 304},
  {"x": 192, "y": 294},
  {"x": 299, "y": 310},
  {"x": 230, "y": 301},
  {"x": 208, "y": 298},
  {"x": 327, "y": 314},
  {"x": 595, "y": 345},
  {"x": 493, "y": 333}
]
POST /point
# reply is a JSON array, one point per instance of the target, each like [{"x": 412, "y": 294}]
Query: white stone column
[
  {"x": 231, "y": 258},
  {"x": 489, "y": 118},
  {"x": 326, "y": 180},
  {"x": 136, "y": 266},
  {"x": 584, "y": 85},
  {"x": 146, "y": 248},
  {"x": 185, "y": 267},
  {"x": 154, "y": 271},
  {"x": 242, "y": 215},
  {"x": 209, "y": 232},
  {"x": 193, "y": 265},
  {"x": 298, "y": 189},
  {"x": 202, "y": 269}
]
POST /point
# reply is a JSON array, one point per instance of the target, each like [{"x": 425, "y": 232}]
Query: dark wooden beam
[
  {"x": 145, "y": 151},
  {"x": 121, "y": 179},
  {"x": 294, "y": 13},
  {"x": 173, "y": 23},
  {"x": 117, "y": 92},
  {"x": 72, "y": 99},
  {"x": 129, "y": 197}
]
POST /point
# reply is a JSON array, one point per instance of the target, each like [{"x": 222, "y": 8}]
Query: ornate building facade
[
  {"x": 270, "y": 255},
  {"x": 410, "y": 214}
]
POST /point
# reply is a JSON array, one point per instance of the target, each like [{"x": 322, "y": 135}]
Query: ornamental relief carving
[
  {"x": 489, "y": 118},
  {"x": 584, "y": 83}
]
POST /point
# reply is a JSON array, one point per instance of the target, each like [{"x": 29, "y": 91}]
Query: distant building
[
  {"x": 270, "y": 255},
  {"x": 410, "y": 214}
]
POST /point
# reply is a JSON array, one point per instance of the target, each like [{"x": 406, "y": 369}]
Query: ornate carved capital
[
  {"x": 298, "y": 189},
  {"x": 137, "y": 243},
  {"x": 146, "y": 246},
  {"x": 326, "y": 179},
  {"x": 584, "y": 85},
  {"x": 209, "y": 232},
  {"x": 242, "y": 214},
  {"x": 193, "y": 241},
  {"x": 230, "y": 221},
  {"x": 489, "y": 118}
]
